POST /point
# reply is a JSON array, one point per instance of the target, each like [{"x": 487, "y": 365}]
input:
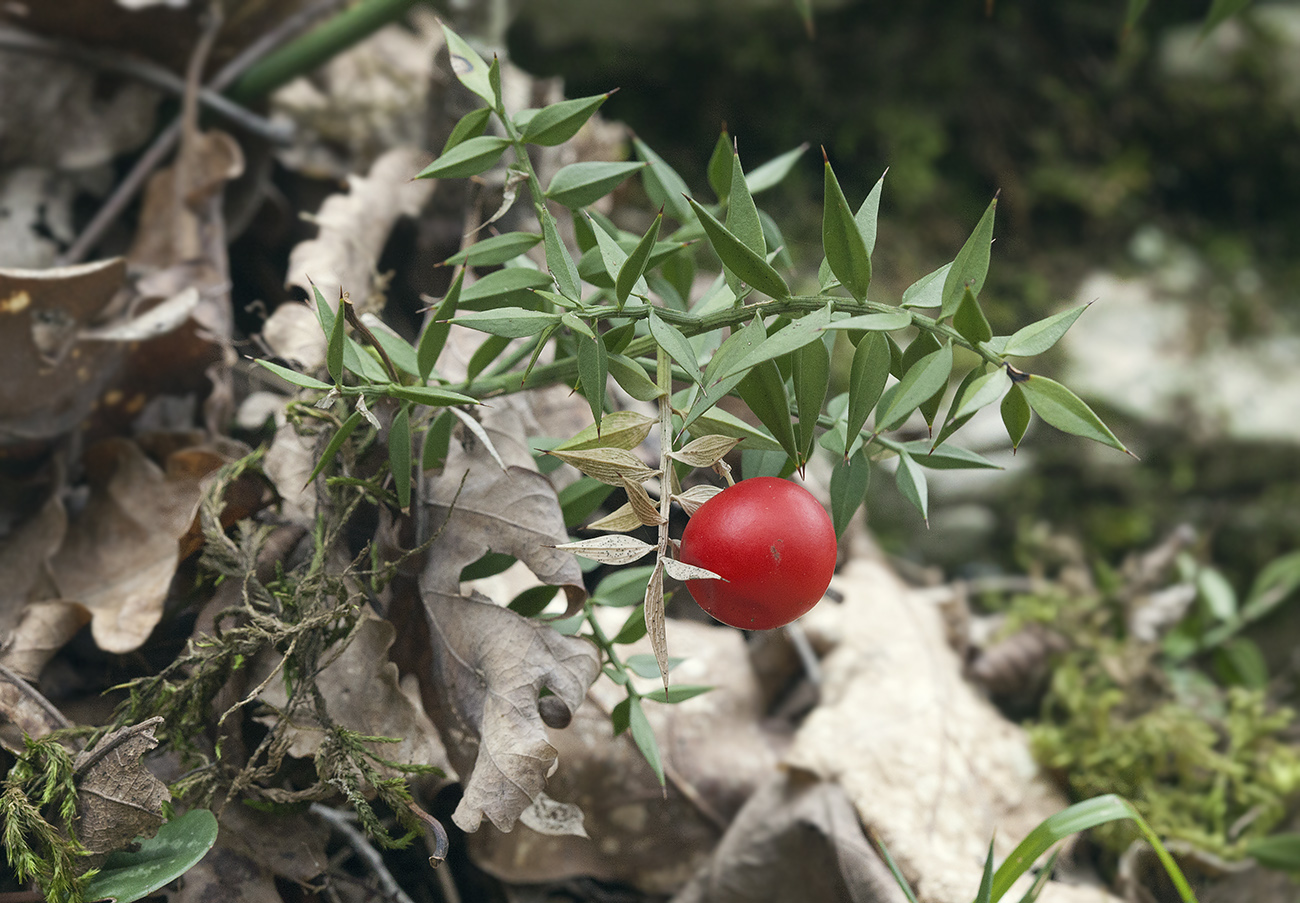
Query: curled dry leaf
[
  {"x": 609, "y": 465},
  {"x": 620, "y": 429},
  {"x": 681, "y": 571},
  {"x": 693, "y": 498},
  {"x": 705, "y": 451},
  {"x": 118, "y": 798},
  {"x": 646, "y": 510},
  {"x": 547, "y": 816},
  {"x": 609, "y": 549}
]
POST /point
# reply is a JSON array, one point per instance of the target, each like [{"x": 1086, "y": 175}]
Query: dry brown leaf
[
  {"x": 229, "y": 875},
  {"x": 121, "y": 551},
  {"x": 361, "y": 689},
  {"x": 713, "y": 743},
  {"x": 927, "y": 762},
  {"x": 24, "y": 560},
  {"x": 118, "y": 798},
  {"x": 796, "y": 839},
  {"x": 288, "y": 845}
]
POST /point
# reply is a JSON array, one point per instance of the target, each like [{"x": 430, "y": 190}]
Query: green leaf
[
  {"x": 969, "y": 320},
  {"x": 774, "y": 171},
  {"x": 1133, "y": 13},
  {"x": 647, "y": 666},
  {"x": 334, "y": 350},
  {"x": 593, "y": 370},
  {"x": 580, "y": 498},
  {"x": 437, "y": 441},
  {"x": 558, "y": 122},
  {"x": 719, "y": 169},
  {"x": 1015, "y": 415},
  {"x": 399, "y": 350},
  {"x": 662, "y": 183},
  {"x": 471, "y": 125},
  {"x": 811, "y": 371},
  {"x": 742, "y": 219},
  {"x": 354, "y": 420},
  {"x": 469, "y": 66},
  {"x": 985, "y": 893},
  {"x": 427, "y": 395},
  {"x": 558, "y": 259},
  {"x": 677, "y": 693},
  {"x": 624, "y": 588},
  {"x": 1064, "y": 410},
  {"x": 1277, "y": 851},
  {"x": 622, "y": 429},
  {"x": 882, "y": 322},
  {"x": 629, "y": 274},
  {"x": 928, "y": 290},
  {"x": 157, "y": 861},
  {"x": 580, "y": 184},
  {"x": 513, "y": 285},
  {"x": 469, "y": 158},
  {"x": 488, "y": 565},
  {"x": 738, "y": 344},
  {"x": 618, "y": 716},
  {"x": 631, "y": 376},
  {"x": 1081, "y": 817},
  {"x": 983, "y": 391},
  {"x": 675, "y": 345},
  {"x": 533, "y": 601},
  {"x": 495, "y": 250},
  {"x": 763, "y": 391},
  {"x": 952, "y": 422},
  {"x": 750, "y": 267},
  {"x": 295, "y": 377},
  {"x": 633, "y": 628},
  {"x": 511, "y": 322},
  {"x": 867, "y": 378},
  {"x": 494, "y": 80},
  {"x": 911, "y": 483},
  {"x": 644, "y": 736},
  {"x": 797, "y": 334},
  {"x": 1220, "y": 12},
  {"x": 846, "y": 252},
  {"x": 849, "y": 481},
  {"x": 399, "y": 455},
  {"x": 947, "y": 457},
  {"x": 1240, "y": 663},
  {"x": 1217, "y": 593},
  {"x": 1038, "y": 337},
  {"x": 971, "y": 264},
  {"x": 435, "y": 333},
  {"x": 922, "y": 380},
  {"x": 718, "y": 422},
  {"x": 865, "y": 218}
]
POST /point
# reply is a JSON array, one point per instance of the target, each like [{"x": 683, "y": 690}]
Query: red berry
[{"x": 774, "y": 544}]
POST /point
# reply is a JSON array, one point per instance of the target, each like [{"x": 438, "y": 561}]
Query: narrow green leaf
[
  {"x": 882, "y": 322},
  {"x": 624, "y": 588},
  {"x": 982, "y": 391},
  {"x": 511, "y": 322},
  {"x": 971, "y": 264},
  {"x": 154, "y": 862},
  {"x": 1220, "y": 12},
  {"x": 719, "y": 169},
  {"x": 298, "y": 379},
  {"x": 985, "y": 893},
  {"x": 1217, "y": 593},
  {"x": 495, "y": 250},
  {"x": 334, "y": 351},
  {"x": 867, "y": 377},
  {"x": 558, "y": 259},
  {"x": 427, "y": 395},
  {"x": 355, "y": 419},
  {"x": 494, "y": 80},
  {"x": 580, "y": 498},
  {"x": 797, "y": 334},
  {"x": 469, "y": 158},
  {"x": 558, "y": 122},
  {"x": 647, "y": 666},
  {"x": 763, "y": 391},
  {"x": 739, "y": 343},
  {"x": 1240, "y": 663},
  {"x": 911, "y": 483},
  {"x": 618, "y": 716},
  {"x": 399, "y": 455},
  {"x": 742, "y": 218},
  {"x": 468, "y": 66},
  {"x": 662, "y": 183},
  {"x": 471, "y": 125},
  {"x": 633, "y": 628},
  {"x": 866, "y": 216},
  {"x": 846, "y": 252},
  {"x": 849, "y": 481},
  {"x": 1040, "y": 880},
  {"x": 437, "y": 441},
  {"x": 947, "y": 457},
  {"x": 952, "y": 422},
  {"x": 893, "y": 867},
  {"x": 644, "y": 736},
  {"x": 674, "y": 343},
  {"x": 611, "y": 253},
  {"x": 1277, "y": 851},
  {"x": 593, "y": 369},
  {"x": 969, "y": 320},
  {"x": 926, "y": 377},
  {"x": 513, "y": 285},
  {"x": 774, "y": 171},
  {"x": 1038, "y": 337},
  {"x": 928, "y": 290},
  {"x": 630, "y": 273},
  {"x": 1015, "y": 415},
  {"x": 811, "y": 371},
  {"x": 399, "y": 350},
  {"x": 1064, "y": 410},
  {"x": 677, "y": 693},
  {"x": 752, "y": 268},
  {"x": 580, "y": 184},
  {"x": 435, "y": 333},
  {"x": 632, "y": 378}
]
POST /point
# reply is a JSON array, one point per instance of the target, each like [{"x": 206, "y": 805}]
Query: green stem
[{"x": 607, "y": 646}]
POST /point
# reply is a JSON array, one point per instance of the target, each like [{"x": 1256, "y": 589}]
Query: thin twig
[
  {"x": 35, "y": 696},
  {"x": 148, "y": 73},
  {"x": 363, "y": 848},
  {"x": 166, "y": 140}
]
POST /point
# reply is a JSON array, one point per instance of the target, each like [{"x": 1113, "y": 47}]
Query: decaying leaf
[
  {"x": 609, "y": 465},
  {"x": 693, "y": 498},
  {"x": 705, "y": 451},
  {"x": 609, "y": 549},
  {"x": 118, "y": 798}
]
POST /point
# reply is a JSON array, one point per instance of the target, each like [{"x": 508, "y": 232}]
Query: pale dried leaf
[
  {"x": 654, "y": 619},
  {"x": 228, "y": 875},
  {"x": 553, "y": 818},
  {"x": 620, "y": 429},
  {"x": 158, "y": 320},
  {"x": 480, "y": 434},
  {"x": 646, "y": 510},
  {"x": 620, "y": 520},
  {"x": 609, "y": 465},
  {"x": 693, "y": 498},
  {"x": 43, "y": 629},
  {"x": 118, "y": 798},
  {"x": 24, "y": 559},
  {"x": 679, "y": 570},
  {"x": 705, "y": 451},
  {"x": 609, "y": 549}
]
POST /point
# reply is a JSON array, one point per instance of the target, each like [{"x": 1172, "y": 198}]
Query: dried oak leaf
[
  {"x": 121, "y": 552},
  {"x": 118, "y": 798},
  {"x": 488, "y": 663}
]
